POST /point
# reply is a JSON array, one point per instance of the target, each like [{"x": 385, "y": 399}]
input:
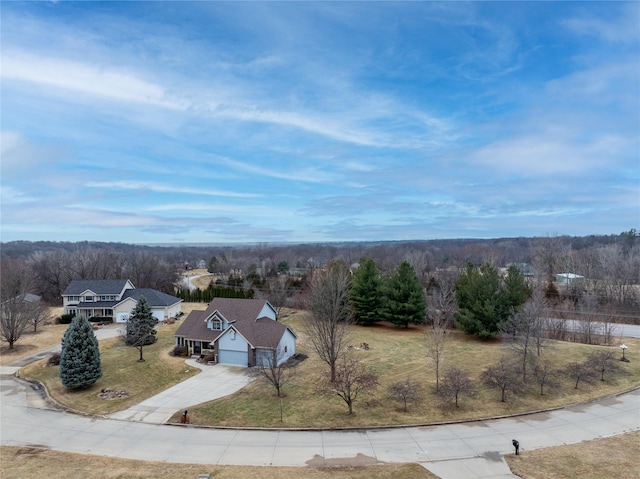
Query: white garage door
[
  {"x": 122, "y": 317},
  {"x": 233, "y": 357}
]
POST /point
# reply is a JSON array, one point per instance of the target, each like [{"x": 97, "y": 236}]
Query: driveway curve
[{"x": 213, "y": 382}]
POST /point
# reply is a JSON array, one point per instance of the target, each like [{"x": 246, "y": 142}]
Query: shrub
[
  {"x": 66, "y": 318},
  {"x": 54, "y": 360},
  {"x": 101, "y": 319},
  {"x": 179, "y": 351}
]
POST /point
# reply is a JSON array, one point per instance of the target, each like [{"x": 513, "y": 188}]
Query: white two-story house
[{"x": 115, "y": 299}]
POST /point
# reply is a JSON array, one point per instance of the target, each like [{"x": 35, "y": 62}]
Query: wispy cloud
[
  {"x": 620, "y": 25},
  {"x": 304, "y": 121},
  {"x": 100, "y": 80},
  {"x": 163, "y": 188}
]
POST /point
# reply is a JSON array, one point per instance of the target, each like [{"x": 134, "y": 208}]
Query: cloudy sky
[{"x": 191, "y": 122}]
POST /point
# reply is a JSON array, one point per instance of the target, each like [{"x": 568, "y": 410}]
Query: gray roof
[
  {"x": 243, "y": 314},
  {"x": 32, "y": 298},
  {"x": 98, "y": 286},
  {"x": 154, "y": 298}
]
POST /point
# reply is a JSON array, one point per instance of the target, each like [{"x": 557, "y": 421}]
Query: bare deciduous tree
[
  {"x": 603, "y": 362},
  {"x": 329, "y": 314},
  {"x": 407, "y": 391},
  {"x": 549, "y": 257},
  {"x": 503, "y": 375},
  {"x": 39, "y": 315},
  {"x": 277, "y": 292},
  {"x": 351, "y": 378},
  {"x": 545, "y": 375},
  {"x": 580, "y": 371},
  {"x": 454, "y": 383},
  {"x": 443, "y": 296},
  {"x": 526, "y": 329},
  {"x": 16, "y": 308},
  {"x": 274, "y": 369},
  {"x": 437, "y": 339}
]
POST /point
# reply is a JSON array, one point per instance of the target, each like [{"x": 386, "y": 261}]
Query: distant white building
[{"x": 569, "y": 278}]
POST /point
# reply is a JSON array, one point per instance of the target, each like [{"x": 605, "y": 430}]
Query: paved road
[
  {"x": 617, "y": 330},
  {"x": 452, "y": 451},
  {"x": 458, "y": 451}
]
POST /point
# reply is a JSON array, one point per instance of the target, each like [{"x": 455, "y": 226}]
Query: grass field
[
  {"x": 120, "y": 371},
  {"x": 614, "y": 457},
  {"x": 402, "y": 357},
  {"x": 29, "y": 462},
  {"x": 395, "y": 354}
]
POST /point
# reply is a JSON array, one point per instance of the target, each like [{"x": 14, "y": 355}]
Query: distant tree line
[{"x": 611, "y": 263}]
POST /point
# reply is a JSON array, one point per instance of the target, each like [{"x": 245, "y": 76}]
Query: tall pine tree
[
  {"x": 486, "y": 300},
  {"x": 404, "y": 301},
  {"x": 366, "y": 293},
  {"x": 80, "y": 357},
  {"x": 141, "y": 327}
]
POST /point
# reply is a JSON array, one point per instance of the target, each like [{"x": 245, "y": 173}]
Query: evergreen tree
[
  {"x": 486, "y": 300},
  {"x": 516, "y": 290},
  {"x": 404, "y": 301},
  {"x": 366, "y": 293},
  {"x": 141, "y": 327},
  {"x": 80, "y": 357}
]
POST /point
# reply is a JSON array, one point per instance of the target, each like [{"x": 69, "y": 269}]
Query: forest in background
[{"x": 610, "y": 263}]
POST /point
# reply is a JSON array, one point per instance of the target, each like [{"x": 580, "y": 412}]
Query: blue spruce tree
[{"x": 80, "y": 357}]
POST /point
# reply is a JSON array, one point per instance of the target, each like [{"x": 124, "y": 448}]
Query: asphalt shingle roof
[
  {"x": 98, "y": 286},
  {"x": 243, "y": 314},
  {"x": 153, "y": 297}
]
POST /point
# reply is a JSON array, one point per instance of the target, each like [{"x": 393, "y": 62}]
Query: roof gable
[
  {"x": 243, "y": 316},
  {"x": 233, "y": 309},
  {"x": 194, "y": 327},
  {"x": 98, "y": 287}
]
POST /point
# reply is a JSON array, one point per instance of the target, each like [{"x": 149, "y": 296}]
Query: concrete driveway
[{"x": 212, "y": 383}]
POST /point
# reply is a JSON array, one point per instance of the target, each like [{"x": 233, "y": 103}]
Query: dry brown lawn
[
  {"x": 615, "y": 457},
  {"x": 397, "y": 354},
  {"x": 47, "y": 335},
  {"x": 29, "y": 462}
]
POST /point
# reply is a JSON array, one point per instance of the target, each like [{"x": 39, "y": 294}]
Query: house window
[
  {"x": 88, "y": 299},
  {"x": 285, "y": 349},
  {"x": 216, "y": 325}
]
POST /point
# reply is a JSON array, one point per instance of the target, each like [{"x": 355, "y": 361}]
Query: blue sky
[{"x": 163, "y": 122}]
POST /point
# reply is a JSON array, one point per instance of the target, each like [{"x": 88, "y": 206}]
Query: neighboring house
[
  {"x": 32, "y": 298},
  {"x": 115, "y": 298},
  {"x": 244, "y": 332},
  {"x": 569, "y": 278}
]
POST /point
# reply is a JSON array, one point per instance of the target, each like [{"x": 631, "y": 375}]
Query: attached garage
[
  {"x": 238, "y": 358},
  {"x": 233, "y": 348}
]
